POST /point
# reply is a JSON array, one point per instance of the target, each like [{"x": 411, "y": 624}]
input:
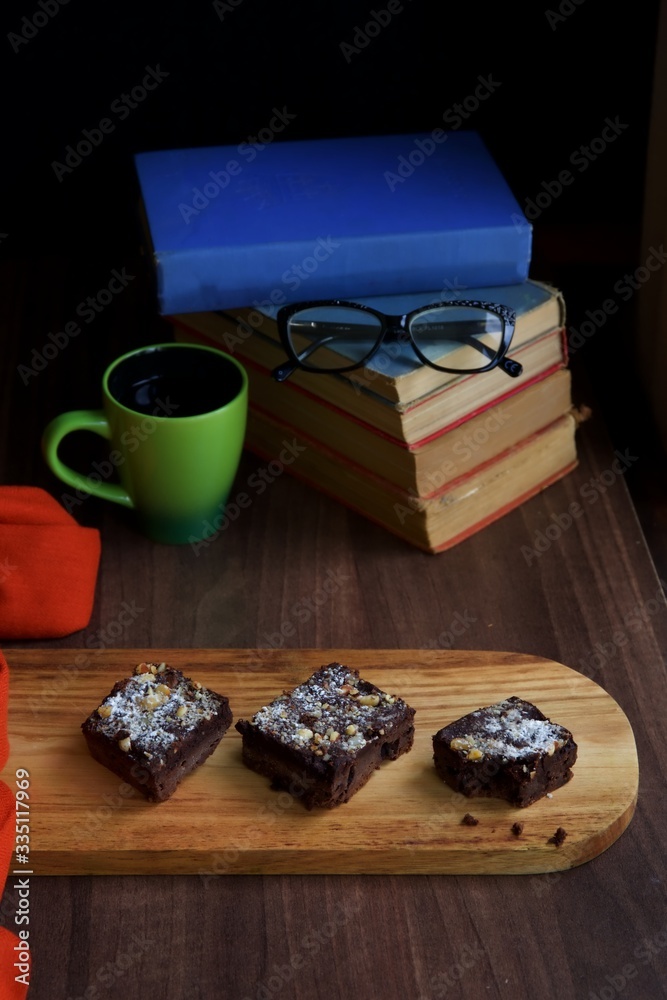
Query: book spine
[{"x": 340, "y": 267}]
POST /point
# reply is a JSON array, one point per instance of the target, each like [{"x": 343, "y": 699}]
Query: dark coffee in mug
[
  {"x": 182, "y": 383},
  {"x": 175, "y": 473}
]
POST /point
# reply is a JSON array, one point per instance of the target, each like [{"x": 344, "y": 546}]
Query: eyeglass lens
[
  {"x": 463, "y": 338},
  {"x": 331, "y": 337}
]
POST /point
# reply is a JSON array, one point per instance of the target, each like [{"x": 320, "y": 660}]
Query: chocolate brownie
[
  {"x": 322, "y": 741},
  {"x": 509, "y": 750},
  {"x": 156, "y": 727}
]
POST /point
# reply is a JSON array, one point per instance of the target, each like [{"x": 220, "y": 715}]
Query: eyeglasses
[{"x": 461, "y": 337}]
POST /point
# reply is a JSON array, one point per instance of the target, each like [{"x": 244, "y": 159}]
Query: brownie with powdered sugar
[
  {"x": 156, "y": 727},
  {"x": 509, "y": 750},
  {"x": 323, "y": 740}
]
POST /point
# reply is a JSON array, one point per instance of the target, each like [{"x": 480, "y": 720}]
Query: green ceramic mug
[{"x": 175, "y": 416}]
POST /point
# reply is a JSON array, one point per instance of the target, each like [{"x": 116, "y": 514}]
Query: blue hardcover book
[{"x": 329, "y": 218}]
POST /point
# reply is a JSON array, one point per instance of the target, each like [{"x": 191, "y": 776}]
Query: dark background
[
  {"x": 561, "y": 76},
  {"x": 563, "y": 70}
]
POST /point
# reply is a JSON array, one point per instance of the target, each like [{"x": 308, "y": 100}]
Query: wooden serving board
[{"x": 225, "y": 819}]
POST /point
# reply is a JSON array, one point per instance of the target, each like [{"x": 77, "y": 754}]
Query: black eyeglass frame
[{"x": 394, "y": 328}]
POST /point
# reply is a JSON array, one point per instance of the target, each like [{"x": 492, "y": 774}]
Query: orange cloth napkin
[
  {"x": 14, "y": 955},
  {"x": 48, "y": 566}
]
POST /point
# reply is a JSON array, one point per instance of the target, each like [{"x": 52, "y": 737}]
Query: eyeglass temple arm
[{"x": 283, "y": 372}]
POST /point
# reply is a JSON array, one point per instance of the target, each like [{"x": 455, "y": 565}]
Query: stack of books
[{"x": 431, "y": 456}]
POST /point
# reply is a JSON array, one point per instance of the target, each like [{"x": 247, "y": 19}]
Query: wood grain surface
[
  {"x": 297, "y": 571},
  {"x": 224, "y": 820}
]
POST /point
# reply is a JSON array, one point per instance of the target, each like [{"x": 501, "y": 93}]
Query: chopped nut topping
[
  {"x": 475, "y": 754},
  {"x": 142, "y": 668},
  {"x": 305, "y": 734},
  {"x": 161, "y": 668},
  {"x": 334, "y": 736},
  {"x": 369, "y": 699},
  {"x": 180, "y": 711},
  {"x": 153, "y": 701},
  {"x": 163, "y": 689},
  {"x": 389, "y": 698},
  {"x": 153, "y": 668},
  {"x": 460, "y": 743},
  {"x": 104, "y": 711},
  {"x": 351, "y": 730},
  {"x": 125, "y": 744},
  {"x": 196, "y": 684}
]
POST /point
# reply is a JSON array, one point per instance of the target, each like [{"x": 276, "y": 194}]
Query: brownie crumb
[
  {"x": 558, "y": 837},
  {"x": 469, "y": 820},
  {"x": 517, "y": 829}
]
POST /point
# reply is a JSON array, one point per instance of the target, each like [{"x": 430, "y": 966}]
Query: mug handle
[{"x": 80, "y": 420}]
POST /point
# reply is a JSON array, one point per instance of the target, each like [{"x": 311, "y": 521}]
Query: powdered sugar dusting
[
  {"x": 505, "y": 730},
  {"x": 155, "y": 710},
  {"x": 334, "y": 712}
]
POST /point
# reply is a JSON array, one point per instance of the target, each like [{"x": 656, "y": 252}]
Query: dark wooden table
[{"x": 597, "y": 931}]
